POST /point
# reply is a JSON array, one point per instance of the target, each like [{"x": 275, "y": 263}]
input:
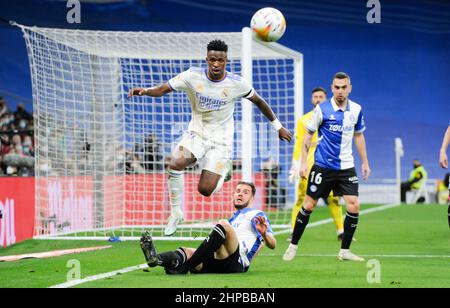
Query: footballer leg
[
  {"x": 336, "y": 213},
  {"x": 231, "y": 243},
  {"x": 174, "y": 262},
  {"x": 300, "y": 225},
  {"x": 302, "y": 184},
  {"x": 149, "y": 250},
  {"x": 181, "y": 159},
  {"x": 215, "y": 170},
  {"x": 209, "y": 182},
  {"x": 350, "y": 225},
  {"x": 209, "y": 246}
]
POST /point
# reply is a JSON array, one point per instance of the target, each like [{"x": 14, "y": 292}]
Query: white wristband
[{"x": 277, "y": 124}]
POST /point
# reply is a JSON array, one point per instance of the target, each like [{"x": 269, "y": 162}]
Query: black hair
[
  {"x": 319, "y": 89},
  {"x": 217, "y": 45},
  {"x": 249, "y": 184},
  {"x": 342, "y": 75}
]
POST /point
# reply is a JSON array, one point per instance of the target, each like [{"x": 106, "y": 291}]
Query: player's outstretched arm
[
  {"x": 261, "y": 226},
  {"x": 360, "y": 143},
  {"x": 443, "y": 160},
  {"x": 262, "y": 105},
  {"x": 157, "y": 91}
]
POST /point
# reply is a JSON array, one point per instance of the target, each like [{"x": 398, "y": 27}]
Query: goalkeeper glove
[{"x": 294, "y": 173}]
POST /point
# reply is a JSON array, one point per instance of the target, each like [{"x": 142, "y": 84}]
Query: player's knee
[
  {"x": 309, "y": 204},
  {"x": 205, "y": 189},
  {"x": 353, "y": 205},
  {"x": 175, "y": 165},
  {"x": 225, "y": 225}
]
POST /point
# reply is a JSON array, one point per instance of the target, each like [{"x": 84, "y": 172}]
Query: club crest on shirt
[
  {"x": 200, "y": 88},
  {"x": 225, "y": 93},
  {"x": 332, "y": 117}
]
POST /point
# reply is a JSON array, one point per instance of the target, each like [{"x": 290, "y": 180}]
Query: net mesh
[{"x": 101, "y": 157}]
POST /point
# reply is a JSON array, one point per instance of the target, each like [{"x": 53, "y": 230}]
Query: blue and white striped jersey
[
  {"x": 250, "y": 240},
  {"x": 336, "y": 129}
]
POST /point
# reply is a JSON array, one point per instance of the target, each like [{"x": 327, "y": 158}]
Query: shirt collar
[{"x": 336, "y": 107}]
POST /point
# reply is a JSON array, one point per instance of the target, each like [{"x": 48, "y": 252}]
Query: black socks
[{"x": 300, "y": 225}]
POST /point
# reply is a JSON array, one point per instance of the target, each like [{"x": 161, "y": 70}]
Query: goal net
[{"x": 101, "y": 157}]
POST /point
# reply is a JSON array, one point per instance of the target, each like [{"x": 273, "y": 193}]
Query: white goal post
[{"x": 101, "y": 157}]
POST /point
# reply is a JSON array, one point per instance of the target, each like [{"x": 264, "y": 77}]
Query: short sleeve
[
  {"x": 181, "y": 81},
  {"x": 245, "y": 89},
  {"x": 316, "y": 120},
  {"x": 360, "y": 125}
]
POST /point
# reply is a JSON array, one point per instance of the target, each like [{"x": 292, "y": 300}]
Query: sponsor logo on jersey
[
  {"x": 209, "y": 103},
  {"x": 332, "y": 117},
  {"x": 340, "y": 128}
]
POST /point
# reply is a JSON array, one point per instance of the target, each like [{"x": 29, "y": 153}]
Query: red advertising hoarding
[
  {"x": 17, "y": 208},
  {"x": 68, "y": 204}
]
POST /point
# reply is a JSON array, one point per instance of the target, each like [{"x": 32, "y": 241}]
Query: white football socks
[{"x": 176, "y": 189}]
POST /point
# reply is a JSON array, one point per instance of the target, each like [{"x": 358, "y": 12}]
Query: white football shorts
[{"x": 211, "y": 155}]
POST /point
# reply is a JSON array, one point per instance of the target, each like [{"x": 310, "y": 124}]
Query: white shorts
[{"x": 212, "y": 156}]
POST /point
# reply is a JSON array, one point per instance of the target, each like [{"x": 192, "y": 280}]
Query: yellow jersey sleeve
[{"x": 300, "y": 135}]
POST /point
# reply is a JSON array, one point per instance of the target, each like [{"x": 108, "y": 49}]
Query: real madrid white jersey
[
  {"x": 212, "y": 102},
  {"x": 336, "y": 129}
]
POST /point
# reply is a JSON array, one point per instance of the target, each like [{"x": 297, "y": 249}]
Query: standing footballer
[
  {"x": 212, "y": 93},
  {"x": 443, "y": 160},
  {"x": 338, "y": 121}
]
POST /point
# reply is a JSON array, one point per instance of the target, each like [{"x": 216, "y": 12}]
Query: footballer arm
[
  {"x": 262, "y": 105},
  {"x": 269, "y": 240},
  {"x": 443, "y": 159},
  {"x": 157, "y": 91},
  {"x": 360, "y": 143},
  {"x": 261, "y": 226}
]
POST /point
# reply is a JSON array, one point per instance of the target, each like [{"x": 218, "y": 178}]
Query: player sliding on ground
[
  {"x": 212, "y": 93},
  {"x": 338, "y": 121},
  {"x": 229, "y": 248}
]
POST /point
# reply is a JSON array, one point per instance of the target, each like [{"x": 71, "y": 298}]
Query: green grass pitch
[{"x": 410, "y": 243}]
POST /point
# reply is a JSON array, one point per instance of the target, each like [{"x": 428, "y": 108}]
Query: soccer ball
[{"x": 268, "y": 24}]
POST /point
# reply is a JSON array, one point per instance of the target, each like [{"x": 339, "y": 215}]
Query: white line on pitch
[
  {"x": 98, "y": 277},
  {"x": 362, "y": 255},
  {"x": 330, "y": 220},
  {"x": 142, "y": 266}
]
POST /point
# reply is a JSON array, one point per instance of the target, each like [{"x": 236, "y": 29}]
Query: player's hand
[
  {"x": 261, "y": 224},
  {"x": 284, "y": 134},
  {"x": 304, "y": 171},
  {"x": 294, "y": 173},
  {"x": 443, "y": 160},
  {"x": 136, "y": 92},
  {"x": 365, "y": 169}
]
